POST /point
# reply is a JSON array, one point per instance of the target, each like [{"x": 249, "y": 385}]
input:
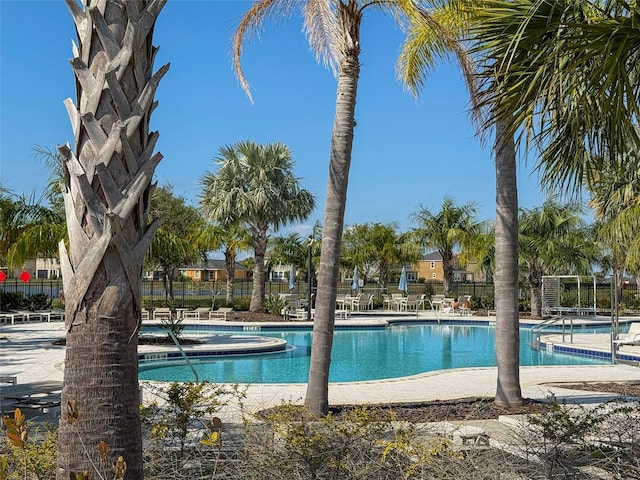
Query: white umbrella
[
  {"x": 292, "y": 277},
  {"x": 403, "y": 286},
  {"x": 354, "y": 284}
]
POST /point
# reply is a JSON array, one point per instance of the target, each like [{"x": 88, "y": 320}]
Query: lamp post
[{"x": 309, "y": 279}]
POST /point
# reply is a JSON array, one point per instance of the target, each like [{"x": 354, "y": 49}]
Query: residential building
[
  {"x": 43, "y": 268},
  {"x": 213, "y": 270},
  {"x": 430, "y": 268}
]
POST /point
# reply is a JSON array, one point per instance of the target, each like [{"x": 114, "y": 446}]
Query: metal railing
[{"x": 536, "y": 332}]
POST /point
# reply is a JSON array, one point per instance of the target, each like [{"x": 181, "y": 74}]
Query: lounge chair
[
  {"x": 200, "y": 313},
  {"x": 29, "y": 315},
  {"x": 632, "y": 337},
  {"x": 464, "y": 305},
  {"x": 220, "y": 313},
  {"x": 42, "y": 396},
  {"x": 49, "y": 315},
  {"x": 162, "y": 313},
  {"x": 6, "y": 317}
]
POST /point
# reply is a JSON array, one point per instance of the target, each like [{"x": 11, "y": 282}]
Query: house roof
[
  {"x": 212, "y": 264},
  {"x": 432, "y": 257}
]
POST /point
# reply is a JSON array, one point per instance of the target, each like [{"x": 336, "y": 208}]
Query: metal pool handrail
[
  {"x": 536, "y": 331},
  {"x": 184, "y": 355}
]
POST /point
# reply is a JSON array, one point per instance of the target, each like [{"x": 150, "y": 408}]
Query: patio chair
[
  {"x": 422, "y": 301},
  {"x": 360, "y": 302},
  {"x": 397, "y": 299},
  {"x": 410, "y": 302},
  {"x": 386, "y": 301},
  {"x": 369, "y": 305},
  {"x": 632, "y": 337}
]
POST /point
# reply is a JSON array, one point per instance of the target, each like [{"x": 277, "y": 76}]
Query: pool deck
[{"x": 26, "y": 352}]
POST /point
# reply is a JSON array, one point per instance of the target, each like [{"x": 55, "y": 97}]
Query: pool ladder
[{"x": 536, "y": 332}]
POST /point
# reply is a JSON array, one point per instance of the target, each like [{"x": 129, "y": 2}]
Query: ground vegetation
[{"x": 188, "y": 434}]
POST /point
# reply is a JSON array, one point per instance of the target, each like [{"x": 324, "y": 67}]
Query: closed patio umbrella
[
  {"x": 292, "y": 277},
  {"x": 403, "y": 286},
  {"x": 354, "y": 284}
]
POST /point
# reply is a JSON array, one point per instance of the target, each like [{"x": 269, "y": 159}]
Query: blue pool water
[{"x": 360, "y": 355}]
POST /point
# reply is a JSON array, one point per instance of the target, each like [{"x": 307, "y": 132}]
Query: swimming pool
[{"x": 360, "y": 355}]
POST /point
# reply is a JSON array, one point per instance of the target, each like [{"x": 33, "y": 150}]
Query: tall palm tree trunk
[
  {"x": 317, "y": 395},
  {"x": 107, "y": 192},
  {"x": 230, "y": 272},
  {"x": 447, "y": 270},
  {"x": 506, "y": 273},
  {"x": 259, "y": 250}
]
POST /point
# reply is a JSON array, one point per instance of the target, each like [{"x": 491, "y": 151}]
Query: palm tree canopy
[
  {"x": 447, "y": 229},
  {"x": 568, "y": 71},
  {"x": 553, "y": 239},
  {"x": 254, "y": 183}
]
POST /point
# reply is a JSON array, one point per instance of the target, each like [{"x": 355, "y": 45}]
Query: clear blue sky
[{"x": 407, "y": 152}]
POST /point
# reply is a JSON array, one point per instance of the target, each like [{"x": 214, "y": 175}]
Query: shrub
[
  {"x": 275, "y": 304},
  {"x": 186, "y": 415},
  {"x": 28, "y": 458}
]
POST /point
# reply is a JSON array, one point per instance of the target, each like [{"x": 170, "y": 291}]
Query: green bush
[
  {"x": 12, "y": 300},
  {"x": 187, "y": 412},
  {"x": 20, "y": 301},
  {"x": 240, "y": 304},
  {"x": 275, "y": 304},
  {"x": 30, "y": 451}
]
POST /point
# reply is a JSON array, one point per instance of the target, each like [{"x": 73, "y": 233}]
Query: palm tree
[
  {"x": 446, "y": 231},
  {"x": 508, "y": 390},
  {"x": 107, "y": 193},
  {"x": 565, "y": 75},
  {"x": 377, "y": 250},
  {"x": 28, "y": 228},
  {"x": 333, "y": 30},
  {"x": 255, "y": 185},
  {"x": 614, "y": 187},
  {"x": 233, "y": 239},
  {"x": 417, "y": 59},
  {"x": 552, "y": 240}
]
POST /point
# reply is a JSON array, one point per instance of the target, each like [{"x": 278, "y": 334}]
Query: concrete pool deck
[{"x": 27, "y": 353}]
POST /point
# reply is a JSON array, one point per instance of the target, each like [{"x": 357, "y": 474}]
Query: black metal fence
[{"x": 189, "y": 294}]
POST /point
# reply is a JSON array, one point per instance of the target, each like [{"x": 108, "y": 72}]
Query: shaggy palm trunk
[
  {"x": 230, "y": 272},
  {"x": 106, "y": 193},
  {"x": 259, "y": 250},
  {"x": 535, "y": 289},
  {"x": 447, "y": 271},
  {"x": 506, "y": 272},
  {"x": 317, "y": 395}
]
